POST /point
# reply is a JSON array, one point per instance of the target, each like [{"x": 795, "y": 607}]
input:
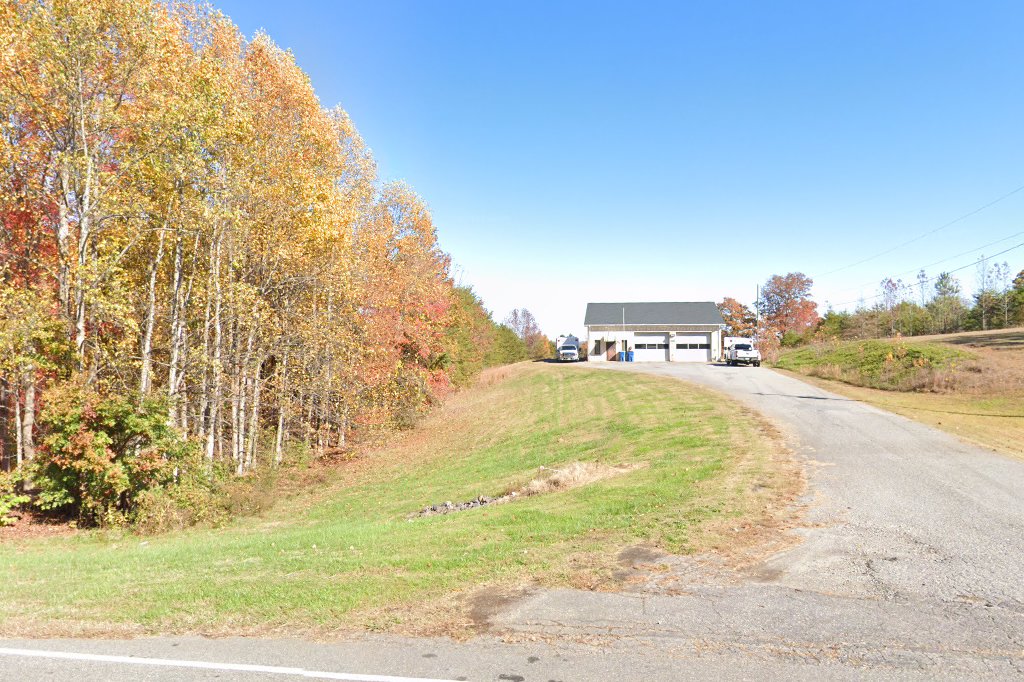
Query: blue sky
[{"x": 575, "y": 152}]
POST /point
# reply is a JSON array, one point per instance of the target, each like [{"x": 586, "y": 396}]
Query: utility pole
[{"x": 757, "y": 305}]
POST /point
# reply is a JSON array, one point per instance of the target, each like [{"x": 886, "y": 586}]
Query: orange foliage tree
[
  {"x": 739, "y": 319},
  {"x": 187, "y": 223},
  {"x": 785, "y": 307}
]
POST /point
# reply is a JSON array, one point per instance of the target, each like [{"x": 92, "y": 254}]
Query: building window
[
  {"x": 680, "y": 346},
  {"x": 661, "y": 346},
  {"x": 597, "y": 347},
  {"x": 704, "y": 346}
]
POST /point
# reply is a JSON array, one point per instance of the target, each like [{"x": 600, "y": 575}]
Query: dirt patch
[
  {"x": 639, "y": 555},
  {"x": 30, "y": 525},
  {"x": 549, "y": 480},
  {"x": 486, "y": 603}
]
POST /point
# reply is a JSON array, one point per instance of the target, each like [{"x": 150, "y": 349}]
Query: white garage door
[
  {"x": 691, "y": 348},
  {"x": 650, "y": 347}
]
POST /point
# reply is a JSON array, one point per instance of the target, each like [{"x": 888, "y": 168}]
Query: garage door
[
  {"x": 650, "y": 347},
  {"x": 691, "y": 348}
]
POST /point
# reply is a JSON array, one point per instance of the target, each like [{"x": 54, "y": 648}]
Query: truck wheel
[{"x": 757, "y": 363}]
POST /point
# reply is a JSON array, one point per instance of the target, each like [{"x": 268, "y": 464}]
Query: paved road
[{"x": 911, "y": 567}]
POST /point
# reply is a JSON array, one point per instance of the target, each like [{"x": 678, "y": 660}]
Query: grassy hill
[
  {"x": 888, "y": 364},
  {"x": 679, "y": 466}
]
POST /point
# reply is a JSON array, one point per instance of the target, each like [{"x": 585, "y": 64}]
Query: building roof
[{"x": 699, "y": 312}]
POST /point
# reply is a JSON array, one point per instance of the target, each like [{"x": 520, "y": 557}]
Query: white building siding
[{"x": 648, "y": 346}]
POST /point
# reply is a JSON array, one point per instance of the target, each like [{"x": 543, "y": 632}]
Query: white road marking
[{"x": 206, "y": 665}]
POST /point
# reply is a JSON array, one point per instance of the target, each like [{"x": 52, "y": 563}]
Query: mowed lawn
[{"x": 348, "y": 555}]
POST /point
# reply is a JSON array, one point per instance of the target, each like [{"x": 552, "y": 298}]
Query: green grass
[
  {"x": 343, "y": 556},
  {"x": 887, "y": 364}
]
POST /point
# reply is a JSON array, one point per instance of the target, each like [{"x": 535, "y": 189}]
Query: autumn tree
[
  {"x": 186, "y": 231},
  {"x": 785, "y": 308},
  {"x": 739, "y": 319},
  {"x": 522, "y": 322}
]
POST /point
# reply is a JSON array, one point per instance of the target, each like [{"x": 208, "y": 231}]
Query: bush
[
  {"x": 198, "y": 495},
  {"x": 791, "y": 339},
  {"x": 10, "y": 498},
  {"x": 98, "y": 454}
]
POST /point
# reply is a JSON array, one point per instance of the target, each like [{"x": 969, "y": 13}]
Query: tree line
[
  {"x": 787, "y": 315},
  {"x": 200, "y": 270}
]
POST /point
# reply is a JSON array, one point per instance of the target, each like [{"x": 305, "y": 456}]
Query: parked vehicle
[
  {"x": 743, "y": 353},
  {"x": 567, "y": 348}
]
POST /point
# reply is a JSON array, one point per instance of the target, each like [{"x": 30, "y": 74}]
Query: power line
[
  {"x": 939, "y": 262},
  {"x": 932, "y": 279},
  {"x": 926, "y": 234}
]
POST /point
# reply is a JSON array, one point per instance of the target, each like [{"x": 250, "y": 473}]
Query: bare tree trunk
[
  {"x": 343, "y": 429},
  {"x": 242, "y": 365},
  {"x": 254, "y": 420},
  {"x": 19, "y": 444},
  {"x": 5, "y": 431},
  {"x": 177, "y": 333},
  {"x": 213, "y": 435},
  {"x": 204, "y": 426},
  {"x": 281, "y": 407},
  {"x": 28, "y": 417},
  {"x": 237, "y": 408},
  {"x": 310, "y": 426},
  {"x": 80, "y": 314},
  {"x": 85, "y": 198},
  {"x": 63, "y": 234},
  {"x": 146, "y": 375}
]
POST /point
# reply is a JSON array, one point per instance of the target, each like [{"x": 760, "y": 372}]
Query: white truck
[
  {"x": 742, "y": 352},
  {"x": 567, "y": 348}
]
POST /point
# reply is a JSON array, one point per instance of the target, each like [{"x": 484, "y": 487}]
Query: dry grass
[
  {"x": 573, "y": 475},
  {"x": 768, "y": 481},
  {"x": 1012, "y": 338}
]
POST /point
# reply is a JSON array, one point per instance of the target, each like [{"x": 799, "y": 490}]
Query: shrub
[
  {"x": 100, "y": 453},
  {"x": 10, "y": 498},
  {"x": 198, "y": 494}
]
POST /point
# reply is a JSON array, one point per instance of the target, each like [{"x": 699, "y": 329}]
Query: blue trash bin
[
  {"x": 629, "y": 356},
  {"x": 622, "y": 356}
]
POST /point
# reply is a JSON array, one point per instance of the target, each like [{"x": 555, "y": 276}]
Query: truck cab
[{"x": 568, "y": 353}]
